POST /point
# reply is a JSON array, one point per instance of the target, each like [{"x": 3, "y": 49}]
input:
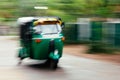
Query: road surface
[{"x": 70, "y": 67}]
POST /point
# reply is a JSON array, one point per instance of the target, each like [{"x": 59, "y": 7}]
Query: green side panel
[
  {"x": 26, "y": 48},
  {"x": 23, "y": 53}
]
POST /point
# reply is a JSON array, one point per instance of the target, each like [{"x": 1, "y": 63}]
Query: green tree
[{"x": 67, "y": 9}]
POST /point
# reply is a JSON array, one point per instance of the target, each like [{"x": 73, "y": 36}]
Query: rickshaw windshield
[{"x": 48, "y": 29}]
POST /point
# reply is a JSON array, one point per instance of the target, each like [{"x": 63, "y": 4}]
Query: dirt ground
[{"x": 81, "y": 50}]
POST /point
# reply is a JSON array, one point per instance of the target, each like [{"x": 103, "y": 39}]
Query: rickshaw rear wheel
[{"x": 20, "y": 61}]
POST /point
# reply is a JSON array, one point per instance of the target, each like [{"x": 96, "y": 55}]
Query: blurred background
[
  {"x": 91, "y": 26},
  {"x": 95, "y": 22}
]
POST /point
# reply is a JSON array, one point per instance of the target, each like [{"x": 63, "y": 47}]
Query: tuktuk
[{"x": 41, "y": 38}]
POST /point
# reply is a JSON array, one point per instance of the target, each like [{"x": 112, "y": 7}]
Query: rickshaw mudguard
[{"x": 54, "y": 56}]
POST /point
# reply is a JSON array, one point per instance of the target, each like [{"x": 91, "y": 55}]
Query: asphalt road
[{"x": 70, "y": 67}]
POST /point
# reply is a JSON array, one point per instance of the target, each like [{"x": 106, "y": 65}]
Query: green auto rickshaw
[{"x": 41, "y": 38}]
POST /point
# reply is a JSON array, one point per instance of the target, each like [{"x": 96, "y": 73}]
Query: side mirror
[{"x": 63, "y": 25}]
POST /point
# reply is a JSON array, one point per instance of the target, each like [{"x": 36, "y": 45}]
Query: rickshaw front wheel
[{"x": 53, "y": 64}]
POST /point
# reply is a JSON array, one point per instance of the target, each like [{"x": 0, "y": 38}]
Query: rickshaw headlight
[
  {"x": 63, "y": 38},
  {"x": 38, "y": 40}
]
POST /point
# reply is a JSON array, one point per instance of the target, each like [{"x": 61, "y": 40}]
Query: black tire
[{"x": 53, "y": 64}]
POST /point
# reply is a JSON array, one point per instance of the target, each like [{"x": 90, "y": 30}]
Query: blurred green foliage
[
  {"x": 100, "y": 47},
  {"x": 69, "y": 10}
]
